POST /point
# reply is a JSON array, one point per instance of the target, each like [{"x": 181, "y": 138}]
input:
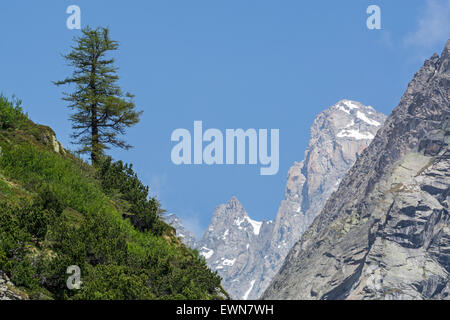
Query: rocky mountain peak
[
  {"x": 338, "y": 135},
  {"x": 445, "y": 59},
  {"x": 232, "y": 217},
  {"x": 347, "y": 119},
  {"x": 231, "y": 244},
  {"x": 234, "y": 206}
]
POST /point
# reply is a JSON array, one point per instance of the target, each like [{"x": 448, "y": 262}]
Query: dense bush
[
  {"x": 115, "y": 282},
  {"x": 11, "y": 114},
  {"x": 121, "y": 182}
]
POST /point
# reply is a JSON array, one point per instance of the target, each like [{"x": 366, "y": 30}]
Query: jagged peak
[
  {"x": 234, "y": 204},
  {"x": 352, "y": 104},
  {"x": 233, "y": 207},
  {"x": 348, "y": 119},
  {"x": 445, "y": 59},
  {"x": 352, "y": 108}
]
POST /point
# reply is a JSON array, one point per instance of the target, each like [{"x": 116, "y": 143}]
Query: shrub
[
  {"x": 11, "y": 114},
  {"x": 24, "y": 274},
  {"x": 112, "y": 282},
  {"x": 120, "y": 182}
]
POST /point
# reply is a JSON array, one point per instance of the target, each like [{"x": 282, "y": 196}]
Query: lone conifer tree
[{"x": 102, "y": 111}]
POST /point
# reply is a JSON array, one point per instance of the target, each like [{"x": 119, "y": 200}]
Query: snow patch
[
  {"x": 343, "y": 109},
  {"x": 351, "y": 124},
  {"x": 350, "y": 104},
  {"x": 255, "y": 224},
  {"x": 228, "y": 262},
  {"x": 364, "y": 118},
  {"x": 207, "y": 253},
  {"x": 351, "y": 133},
  {"x": 239, "y": 221},
  {"x": 225, "y": 234},
  {"x": 245, "y": 296}
]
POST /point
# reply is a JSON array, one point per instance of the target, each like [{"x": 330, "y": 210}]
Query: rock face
[
  {"x": 8, "y": 290},
  {"x": 338, "y": 135},
  {"x": 233, "y": 246},
  {"x": 385, "y": 233},
  {"x": 246, "y": 253}
]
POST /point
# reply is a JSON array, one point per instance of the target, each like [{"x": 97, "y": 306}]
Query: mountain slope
[
  {"x": 384, "y": 234},
  {"x": 57, "y": 211}
]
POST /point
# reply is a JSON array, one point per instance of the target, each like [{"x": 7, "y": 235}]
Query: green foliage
[
  {"x": 24, "y": 274},
  {"x": 121, "y": 182},
  {"x": 112, "y": 282},
  {"x": 11, "y": 114},
  {"x": 102, "y": 110},
  {"x": 55, "y": 213}
]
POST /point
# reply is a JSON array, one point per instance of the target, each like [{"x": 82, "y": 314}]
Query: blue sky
[{"x": 232, "y": 64}]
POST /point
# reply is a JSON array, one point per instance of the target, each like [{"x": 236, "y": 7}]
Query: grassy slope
[{"x": 54, "y": 213}]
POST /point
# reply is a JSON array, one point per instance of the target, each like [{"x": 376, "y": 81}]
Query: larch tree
[{"x": 102, "y": 111}]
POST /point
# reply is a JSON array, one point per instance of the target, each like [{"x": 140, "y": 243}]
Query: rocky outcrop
[
  {"x": 385, "y": 233},
  {"x": 8, "y": 291},
  {"x": 48, "y": 137}
]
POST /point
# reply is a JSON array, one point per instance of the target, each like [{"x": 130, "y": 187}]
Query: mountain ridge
[
  {"x": 247, "y": 260},
  {"x": 383, "y": 234}
]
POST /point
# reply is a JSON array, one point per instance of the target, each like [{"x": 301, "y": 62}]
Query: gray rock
[
  {"x": 385, "y": 233},
  {"x": 233, "y": 246},
  {"x": 8, "y": 290}
]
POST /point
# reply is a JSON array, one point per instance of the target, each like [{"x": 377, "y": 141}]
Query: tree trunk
[
  {"x": 94, "y": 136},
  {"x": 94, "y": 120}
]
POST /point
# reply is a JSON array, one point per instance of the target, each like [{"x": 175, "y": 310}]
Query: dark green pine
[{"x": 102, "y": 111}]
